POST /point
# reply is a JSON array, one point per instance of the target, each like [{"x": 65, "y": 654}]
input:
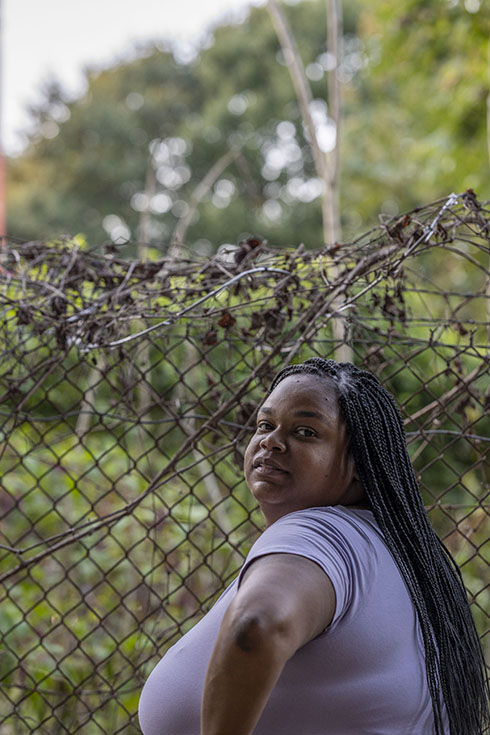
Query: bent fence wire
[{"x": 128, "y": 395}]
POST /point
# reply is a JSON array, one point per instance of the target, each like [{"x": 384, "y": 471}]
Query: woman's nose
[{"x": 273, "y": 442}]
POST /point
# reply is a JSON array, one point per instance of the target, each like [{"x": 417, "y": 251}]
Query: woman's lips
[{"x": 266, "y": 468}]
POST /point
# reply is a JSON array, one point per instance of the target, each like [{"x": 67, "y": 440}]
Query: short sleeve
[{"x": 335, "y": 539}]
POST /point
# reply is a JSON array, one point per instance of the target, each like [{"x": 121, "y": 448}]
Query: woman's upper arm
[{"x": 290, "y": 592}]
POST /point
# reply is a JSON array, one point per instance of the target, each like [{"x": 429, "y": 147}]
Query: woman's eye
[
  {"x": 264, "y": 426},
  {"x": 303, "y": 431}
]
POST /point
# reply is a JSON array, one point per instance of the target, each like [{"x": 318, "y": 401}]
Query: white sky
[{"x": 46, "y": 38}]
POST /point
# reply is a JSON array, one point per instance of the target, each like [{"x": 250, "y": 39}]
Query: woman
[{"x": 348, "y": 616}]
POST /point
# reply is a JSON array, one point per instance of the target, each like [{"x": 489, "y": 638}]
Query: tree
[
  {"x": 422, "y": 92},
  {"x": 148, "y": 132}
]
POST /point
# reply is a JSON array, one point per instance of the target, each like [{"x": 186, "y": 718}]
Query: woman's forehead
[{"x": 304, "y": 389}]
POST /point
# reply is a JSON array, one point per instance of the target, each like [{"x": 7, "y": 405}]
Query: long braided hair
[{"x": 453, "y": 656}]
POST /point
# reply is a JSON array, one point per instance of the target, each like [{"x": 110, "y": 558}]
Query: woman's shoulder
[
  {"x": 336, "y": 517},
  {"x": 343, "y": 541},
  {"x": 321, "y": 533}
]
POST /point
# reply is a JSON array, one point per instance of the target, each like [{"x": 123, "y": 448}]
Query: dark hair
[{"x": 453, "y": 655}]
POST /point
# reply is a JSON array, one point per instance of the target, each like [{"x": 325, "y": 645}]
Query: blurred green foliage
[{"x": 414, "y": 78}]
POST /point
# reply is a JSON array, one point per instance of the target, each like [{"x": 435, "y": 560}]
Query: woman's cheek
[{"x": 247, "y": 460}]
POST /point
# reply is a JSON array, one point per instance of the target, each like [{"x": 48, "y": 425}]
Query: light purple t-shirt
[{"x": 364, "y": 675}]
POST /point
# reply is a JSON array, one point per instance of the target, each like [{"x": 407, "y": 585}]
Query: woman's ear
[
  {"x": 356, "y": 489},
  {"x": 349, "y": 468}
]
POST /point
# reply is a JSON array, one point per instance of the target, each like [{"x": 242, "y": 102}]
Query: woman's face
[{"x": 298, "y": 456}]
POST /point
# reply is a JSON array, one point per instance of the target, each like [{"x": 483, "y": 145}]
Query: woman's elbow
[{"x": 262, "y": 632}]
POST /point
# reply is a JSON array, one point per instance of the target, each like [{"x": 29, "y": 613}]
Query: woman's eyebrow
[
  {"x": 300, "y": 414},
  {"x": 312, "y": 415}
]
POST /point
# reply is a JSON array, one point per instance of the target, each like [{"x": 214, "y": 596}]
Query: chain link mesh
[{"x": 128, "y": 394}]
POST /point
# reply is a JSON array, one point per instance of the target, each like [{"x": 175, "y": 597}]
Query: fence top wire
[{"x": 95, "y": 300}]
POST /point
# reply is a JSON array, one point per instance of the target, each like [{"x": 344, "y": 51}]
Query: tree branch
[
  {"x": 197, "y": 196},
  {"x": 334, "y": 46},
  {"x": 303, "y": 92},
  {"x": 145, "y": 217},
  {"x": 327, "y": 168}
]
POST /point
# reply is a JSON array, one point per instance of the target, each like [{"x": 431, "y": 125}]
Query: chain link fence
[{"x": 128, "y": 395}]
